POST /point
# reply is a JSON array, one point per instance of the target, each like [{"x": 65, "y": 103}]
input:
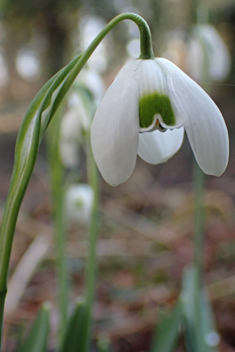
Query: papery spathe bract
[{"x": 155, "y": 94}]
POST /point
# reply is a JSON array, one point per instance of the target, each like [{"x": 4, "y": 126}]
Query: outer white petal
[
  {"x": 114, "y": 130},
  {"x": 157, "y": 147},
  {"x": 203, "y": 121},
  {"x": 153, "y": 79}
]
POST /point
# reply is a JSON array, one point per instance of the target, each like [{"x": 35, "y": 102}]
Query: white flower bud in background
[
  {"x": 75, "y": 123},
  {"x": 93, "y": 82},
  {"x": 77, "y": 120},
  {"x": 89, "y": 27},
  {"x": 206, "y": 46},
  {"x": 78, "y": 203}
]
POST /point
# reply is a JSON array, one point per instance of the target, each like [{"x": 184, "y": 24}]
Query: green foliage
[
  {"x": 36, "y": 341},
  {"x": 24, "y": 8},
  {"x": 191, "y": 315},
  {"x": 74, "y": 335},
  {"x": 36, "y": 121},
  {"x": 167, "y": 333},
  {"x": 198, "y": 321}
]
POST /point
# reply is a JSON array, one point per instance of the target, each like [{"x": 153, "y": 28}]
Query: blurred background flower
[
  {"x": 207, "y": 44},
  {"x": 78, "y": 203}
]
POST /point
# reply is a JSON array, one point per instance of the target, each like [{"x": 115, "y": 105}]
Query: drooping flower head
[{"x": 146, "y": 98}]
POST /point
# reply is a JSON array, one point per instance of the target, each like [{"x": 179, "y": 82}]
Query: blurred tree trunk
[{"x": 58, "y": 42}]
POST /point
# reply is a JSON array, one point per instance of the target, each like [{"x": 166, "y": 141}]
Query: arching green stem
[{"x": 36, "y": 121}]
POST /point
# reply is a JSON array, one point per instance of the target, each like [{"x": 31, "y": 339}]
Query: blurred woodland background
[{"x": 146, "y": 226}]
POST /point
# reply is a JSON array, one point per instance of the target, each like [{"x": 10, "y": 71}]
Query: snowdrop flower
[
  {"x": 74, "y": 124},
  {"x": 147, "y": 97},
  {"x": 78, "y": 203},
  {"x": 207, "y": 47}
]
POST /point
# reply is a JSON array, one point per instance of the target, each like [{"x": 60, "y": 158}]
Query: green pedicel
[{"x": 153, "y": 104}]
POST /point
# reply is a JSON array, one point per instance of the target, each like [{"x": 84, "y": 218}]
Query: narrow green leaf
[
  {"x": 209, "y": 332},
  {"x": 73, "y": 340},
  {"x": 36, "y": 341},
  {"x": 32, "y": 129},
  {"x": 167, "y": 333},
  {"x": 200, "y": 333},
  {"x": 191, "y": 310},
  {"x": 40, "y": 112}
]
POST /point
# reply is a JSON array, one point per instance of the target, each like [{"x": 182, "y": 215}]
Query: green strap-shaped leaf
[
  {"x": 208, "y": 329},
  {"x": 74, "y": 336},
  {"x": 200, "y": 333},
  {"x": 37, "y": 118},
  {"x": 36, "y": 341},
  {"x": 168, "y": 331},
  {"x": 41, "y": 111},
  {"x": 191, "y": 309}
]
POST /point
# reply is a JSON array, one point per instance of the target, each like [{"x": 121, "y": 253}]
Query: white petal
[
  {"x": 157, "y": 147},
  {"x": 114, "y": 131},
  {"x": 153, "y": 87},
  {"x": 151, "y": 78},
  {"x": 203, "y": 121}
]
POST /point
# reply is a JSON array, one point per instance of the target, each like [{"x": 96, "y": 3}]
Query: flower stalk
[
  {"x": 37, "y": 118},
  {"x": 90, "y": 269},
  {"x": 199, "y": 218}
]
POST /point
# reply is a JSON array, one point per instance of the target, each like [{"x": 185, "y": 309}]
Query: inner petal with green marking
[{"x": 152, "y": 104}]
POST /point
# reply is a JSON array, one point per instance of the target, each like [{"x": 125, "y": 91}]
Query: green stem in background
[
  {"x": 90, "y": 270},
  {"x": 199, "y": 218},
  {"x": 56, "y": 176},
  {"x": 35, "y": 123}
]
